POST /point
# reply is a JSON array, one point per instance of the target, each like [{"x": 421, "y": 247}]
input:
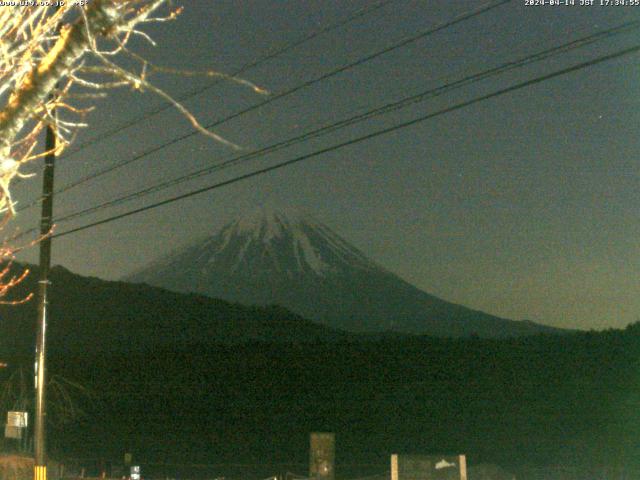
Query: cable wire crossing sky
[{"x": 486, "y": 152}]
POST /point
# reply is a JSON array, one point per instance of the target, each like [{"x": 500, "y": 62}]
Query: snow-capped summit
[
  {"x": 289, "y": 258},
  {"x": 269, "y": 221},
  {"x": 268, "y": 240}
]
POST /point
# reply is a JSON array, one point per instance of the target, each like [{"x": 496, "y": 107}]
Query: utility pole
[{"x": 46, "y": 222}]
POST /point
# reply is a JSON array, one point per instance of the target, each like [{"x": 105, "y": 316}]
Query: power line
[
  {"x": 244, "y": 68},
  {"x": 390, "y": 107},
  {"x": 581, "y": 42},
  {"x": 360, "y": 139},
  {"x": 442, "y": 26},
  {"x": 166, "y": 105}
]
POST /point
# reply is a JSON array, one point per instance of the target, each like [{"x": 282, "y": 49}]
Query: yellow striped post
[{"x": 40, "y": 472}]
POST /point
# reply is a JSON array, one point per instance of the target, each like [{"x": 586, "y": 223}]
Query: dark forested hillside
[
  {"x": 540, "y": 400},
  {"x": 185, "y": 378},
  {"x": 93, "y": 314}
]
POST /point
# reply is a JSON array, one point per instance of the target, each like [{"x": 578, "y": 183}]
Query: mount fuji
[{"x": 289, "y": 259}]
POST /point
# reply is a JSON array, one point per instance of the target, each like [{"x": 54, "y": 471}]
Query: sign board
[
  {"x": 428, "y": 467},
  {"x": 322, "y": 456},
  {"x": 17, "y": 419},
  {"x": 13, "y": 432},
  {"x": 135, "y": 472}
]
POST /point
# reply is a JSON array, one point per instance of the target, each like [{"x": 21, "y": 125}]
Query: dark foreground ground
[{"x": 571, "y": 402}]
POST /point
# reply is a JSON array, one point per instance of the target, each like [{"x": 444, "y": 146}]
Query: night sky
[{"x": 524, "y": 206}]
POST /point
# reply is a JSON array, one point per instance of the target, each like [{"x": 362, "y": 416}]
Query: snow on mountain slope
[
  {"x": 267, "y": 241},
  {"x": 287, "y": 258}
]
